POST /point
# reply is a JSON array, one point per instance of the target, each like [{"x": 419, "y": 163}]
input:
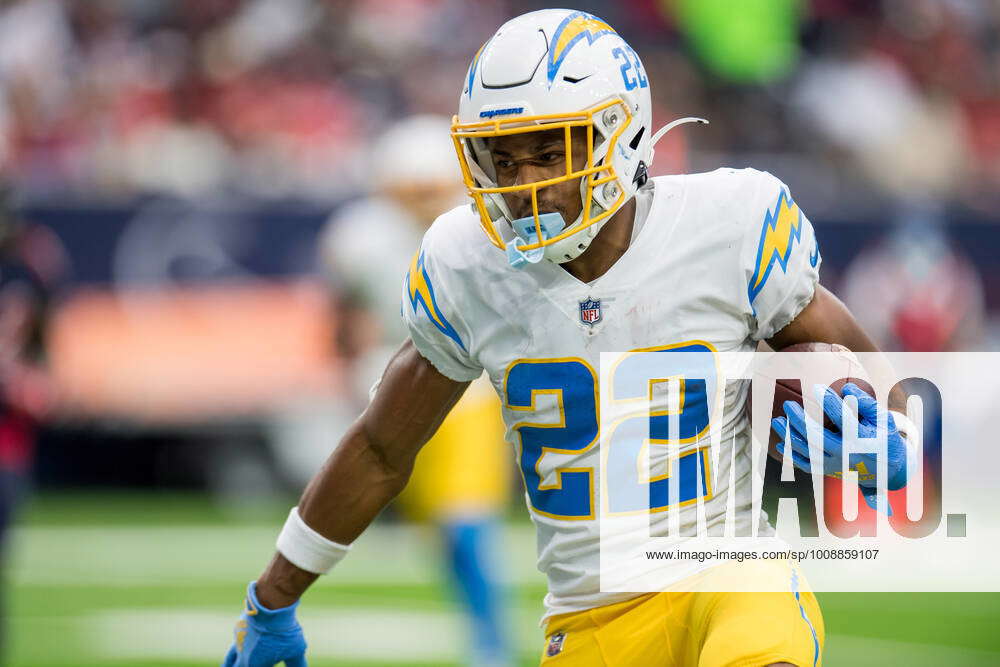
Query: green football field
[{"x": 145, "y": 580}]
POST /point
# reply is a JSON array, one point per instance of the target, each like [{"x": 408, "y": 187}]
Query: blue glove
[
  {"x": 796, "y": 420},
  {"x": 264, "y": 637}
]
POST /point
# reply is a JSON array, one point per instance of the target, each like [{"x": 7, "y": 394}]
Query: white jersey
[{"x": 721, "y": 260}]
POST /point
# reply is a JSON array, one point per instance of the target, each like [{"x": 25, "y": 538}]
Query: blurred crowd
[{"x": 109, "y": 99}]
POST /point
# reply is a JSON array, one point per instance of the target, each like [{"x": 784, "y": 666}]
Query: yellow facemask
[{"x": 470, "y": 138}]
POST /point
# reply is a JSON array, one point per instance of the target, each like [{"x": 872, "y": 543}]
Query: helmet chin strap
[{"x": 671, "y": 125}]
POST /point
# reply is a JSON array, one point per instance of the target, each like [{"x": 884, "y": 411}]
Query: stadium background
[{"x": 185, "y": 155}]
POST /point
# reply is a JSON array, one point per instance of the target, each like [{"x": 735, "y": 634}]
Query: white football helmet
[
  {"x": 415, "y": 151},
  {"x": 549, "y": 69}
]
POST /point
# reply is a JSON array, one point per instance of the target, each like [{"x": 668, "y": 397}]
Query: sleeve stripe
[{"x": 420, "y": 291}]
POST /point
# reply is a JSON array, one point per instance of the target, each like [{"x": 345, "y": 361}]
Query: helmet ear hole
[
  {"x": 641, "y": 175},
  {"x": 637, "y": 138}
]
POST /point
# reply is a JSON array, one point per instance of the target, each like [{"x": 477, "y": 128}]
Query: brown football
[{"x": 791, "y": 389}]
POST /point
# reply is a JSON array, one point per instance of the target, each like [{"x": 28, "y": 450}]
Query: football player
[
  {"x": 570, "y": 249},
  {"x": 462, "y": 479}
]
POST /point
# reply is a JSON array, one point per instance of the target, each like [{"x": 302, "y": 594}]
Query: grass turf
[{"x": 144, "y": 580}]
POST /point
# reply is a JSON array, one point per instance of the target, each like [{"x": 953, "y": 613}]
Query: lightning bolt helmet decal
[{"x": 573, "y": 28}]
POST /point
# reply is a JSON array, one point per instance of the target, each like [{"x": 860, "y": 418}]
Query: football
[{"x": 791, "y": 389}]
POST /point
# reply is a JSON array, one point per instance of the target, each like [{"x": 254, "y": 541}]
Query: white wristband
[{"x": 307, "y": 549}]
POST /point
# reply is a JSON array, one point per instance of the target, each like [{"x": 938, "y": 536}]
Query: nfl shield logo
[
  {"x": 590, "y": 311},
  {"x": 555, "y": 644}
]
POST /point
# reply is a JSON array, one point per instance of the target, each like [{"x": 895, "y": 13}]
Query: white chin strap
[{"x": 669, "y": 126}]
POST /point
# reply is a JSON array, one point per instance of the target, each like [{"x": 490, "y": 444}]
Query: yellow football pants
[{"x": 695, "y": 629}]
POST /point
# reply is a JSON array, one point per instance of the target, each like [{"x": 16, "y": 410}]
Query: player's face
[{"x": 536, "y": 156}]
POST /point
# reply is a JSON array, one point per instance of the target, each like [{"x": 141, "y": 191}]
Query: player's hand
[
  {"x": 265, "y": 637},
  {"x": 797, "y": 423}
]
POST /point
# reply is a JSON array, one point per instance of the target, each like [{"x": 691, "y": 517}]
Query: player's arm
[
  {"x": 369, "y": 468},
  {"x": 824, "y": 320},
  {"x": 827, "y": 320},
  {"x": 781, "y": 261},
  {"x": 371, "y": 465},
  {"x": 780, "y": 258}
]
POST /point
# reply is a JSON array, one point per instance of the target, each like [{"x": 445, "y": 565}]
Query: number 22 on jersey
[{"x": 572, "y": 384}]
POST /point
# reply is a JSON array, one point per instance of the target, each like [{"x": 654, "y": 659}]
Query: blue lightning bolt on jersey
[
  {"x": 781, "y": 230},
  {"x": 420, "y": 293},
  {"x": 433, "y": 322},
  {"x": 780, "y": 256}
]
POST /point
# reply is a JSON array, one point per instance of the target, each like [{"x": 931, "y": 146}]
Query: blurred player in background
[
  {"x": 31, "y": 263},
  {"x": 931, "y": 296},
  {"x": 461, "y": 480}
]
